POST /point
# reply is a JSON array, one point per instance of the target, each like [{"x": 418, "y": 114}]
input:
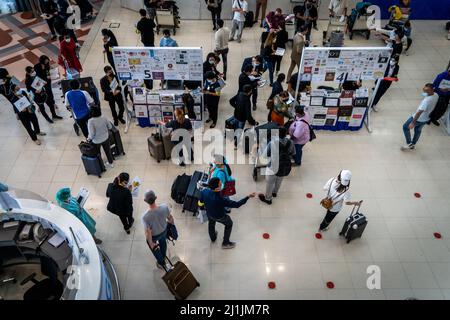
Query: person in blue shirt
[
  {"x": 79, "y": 101},
  {"x": 441, "y": 86},
  {"x": 3, "y": 187},
  {"x": 166, "y": 40},
  {"x": 214, "y": 203},
  {"x": 220, "y": 169}
]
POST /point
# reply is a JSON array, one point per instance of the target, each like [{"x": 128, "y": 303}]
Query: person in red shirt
[
  {"x": 68, "y": 55},
  {"x": 274, "y": 20}
]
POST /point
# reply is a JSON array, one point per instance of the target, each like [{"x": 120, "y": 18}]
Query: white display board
[
  {"x": 145, "y": 63},
  {"x": 339, "y": 64}
]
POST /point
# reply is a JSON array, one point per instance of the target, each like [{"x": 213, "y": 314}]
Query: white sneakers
[{"x": 110, "y": 165}]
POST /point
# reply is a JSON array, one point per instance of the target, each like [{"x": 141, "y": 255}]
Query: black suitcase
[
  {"x": 354, "y": 225},
  {"x": 180, "y": 187},
  {"x": 249, "y": 19},
  {"x": 116, "y": 142},
  {"x": 193, "y": 193},
  {"x": 93, "y": 165}
]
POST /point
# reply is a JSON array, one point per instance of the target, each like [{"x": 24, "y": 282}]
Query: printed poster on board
[{"x": 357, "y": 117}]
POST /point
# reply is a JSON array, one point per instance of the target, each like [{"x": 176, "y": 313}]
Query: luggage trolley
[
  {"x": 357, "y": 22},
  {"x": 334, "y": 24},
  {"x": 165, "y": 18}
]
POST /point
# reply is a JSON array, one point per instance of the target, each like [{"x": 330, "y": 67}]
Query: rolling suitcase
[
  {"x": 93, "y": 165},
  {"x": 116, "y": 142},
  {"x": 193, "y": 194},
  {"x": 167, "y": 142},
  {"x": 180, "y": 280},
  {"x": 156, "y": 147},
  {"x": 354, "y": 225},
  {"x": 180, "y": 187}
]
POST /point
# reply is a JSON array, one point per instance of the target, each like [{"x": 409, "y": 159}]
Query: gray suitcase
[
  {"x": 93, "y": 165},
  {"x": 156, "y": 147},
  {"x": 167, "y": 141}
]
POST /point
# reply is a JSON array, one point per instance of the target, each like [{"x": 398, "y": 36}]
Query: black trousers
[
  {"x": 227, "y": 222},
  {"x": 213, "y": 109},
  {"x": 440, "y": 108},
  {"x": 107, "y": 149},
  {"x": 51, "y": 26},
  {"x": 82, "y": 123},
  {"x": 224, "y": 54},
  {"x": 329, "y": 217},
  {"x": 254, "y": 95},
  {"x": 215, "y": 15},
  {"x": 41, "y": 106},
  {"x": 50, "y": 97},
  {"x": 148, "y": 43},
  {"x": 277, "y": 63},
  {"x": 118, "y": 99},
  {"x": 127, "y": 221},
  {"x": 384, "y": 86},
  {"x": 31, "y": 123}
]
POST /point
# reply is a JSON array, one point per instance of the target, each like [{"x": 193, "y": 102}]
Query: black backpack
[
  {"x": 179, "y": 188},
  {"x": 284, "y": 162},
  {"x": 312, "y": 134}
]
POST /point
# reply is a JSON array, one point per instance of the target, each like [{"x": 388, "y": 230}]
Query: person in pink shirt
[{"x": 299, "y": 132}]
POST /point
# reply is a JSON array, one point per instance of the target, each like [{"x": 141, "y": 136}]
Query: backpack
[
  {"x": 285, "y": 164},
  {"x": 312, "y": 134},
  {"x": 179, "y": 188}
]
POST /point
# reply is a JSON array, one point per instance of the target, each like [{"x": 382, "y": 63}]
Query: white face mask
[
  {"x": 33, "y": 74},
  {"x": 424, "y": 94},
  {"x": 2, "y": 82},
  {"x": 67, "y": 40}
]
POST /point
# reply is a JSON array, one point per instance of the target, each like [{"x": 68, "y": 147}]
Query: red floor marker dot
[
  {"x": 266, "y": 235},
  {"x": 330, "y": 285},
  {"x": 437, "y": 235},
  {"x": 272, "y": 285},
  {"x": 309, "y": 195},
  {"x": 417, "y": 195},
  {"x": 318, "y": 235}
]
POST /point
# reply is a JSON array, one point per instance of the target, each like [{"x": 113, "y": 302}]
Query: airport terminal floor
[{"x": 404, "y": 193}]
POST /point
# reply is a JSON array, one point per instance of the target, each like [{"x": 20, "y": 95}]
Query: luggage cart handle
[{"x": 358, "y": 205}]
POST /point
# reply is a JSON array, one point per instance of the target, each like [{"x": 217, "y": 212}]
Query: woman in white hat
[{"x": 337, "y": 193}]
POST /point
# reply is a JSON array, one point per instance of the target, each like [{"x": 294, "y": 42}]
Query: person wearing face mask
[
  {"x": 212, "y": 60},
  {"x": 389, "y": 76},
  {"x": 110, "y": 87},
  {"x": 42, "y": 69},
  {"x": 6, "y": 84},
  {"x": 27, "y": 116},
  {"x": 109, "y": 42},
  {"x": 68, "y": 57},
  {"x": 166, "y": 40},
  {"x": 257, "y": 62},
  {"x": 121, "y": 201},
  {"x": 281, "y": 108},
  {"x": 211, "y": 91},
  {"x": 40, "y": 96},
  {"x": 420, "y": 118},
  {"x": 50, "y": 10}
]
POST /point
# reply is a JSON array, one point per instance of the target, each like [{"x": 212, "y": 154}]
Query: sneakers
[
  {"x": 238, "y": 40},
  {"x": 182, "y": 164},
  {"x": 116, "y": 123},
  {"x": 41, "y": 134},
  {"x": 435, "y": 122},
  {"x": 215, "y": 238},
  {"x": 229, "y": 245},
  {"x": 408, "y": 147},
  {"x": 263, "y": 199},
  {"x": 274, "y": 195},
  {"x": 209, "y": 120},
  {"x": 109, "y": 165},
  {"x": 254, "y": 107},
  {"x": 38, "y": 142},
  {"x": 169, "y": 267},
  {"x": 122, "y": 121},
  {"x": 374, "y": 108},
  {"x": 322, "y": 230},
  {"x": 231, "y": 39},
  {"x": 55, "y": 117},
  {"x": 97, "y": 241}
]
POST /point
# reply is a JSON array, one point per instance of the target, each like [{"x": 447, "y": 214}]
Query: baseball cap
[
  {"x": 150, "y": 197},
  {"x": 346, "y": 176}
]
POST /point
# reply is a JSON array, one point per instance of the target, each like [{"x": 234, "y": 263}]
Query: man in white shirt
[
  {"x": 338, "y": 8},
  {"x": 420, "y": 118},
  {"x": 240, "y": 8},
  {"x": 221, "y": 44}
]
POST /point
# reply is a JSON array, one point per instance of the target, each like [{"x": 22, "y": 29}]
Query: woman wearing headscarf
[
  {"x": 69, "y": 203},
  {"x": 121, "y": 201}
]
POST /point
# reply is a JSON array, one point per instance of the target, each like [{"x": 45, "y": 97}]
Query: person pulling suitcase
[{"x": 337, "y": 193}]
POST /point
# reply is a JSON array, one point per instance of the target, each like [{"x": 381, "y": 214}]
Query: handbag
[
  {"x": 312, "y": 134},
  {"x": 88, "y": 149},
  {"x": 327, "y": 202},
  {"x": 229, "y": 189}
]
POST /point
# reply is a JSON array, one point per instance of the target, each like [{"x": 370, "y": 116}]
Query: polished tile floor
[{"x": 399, "y": 237}]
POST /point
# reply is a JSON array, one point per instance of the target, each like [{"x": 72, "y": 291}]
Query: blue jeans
[
  {"x": 271, "y": 67},
  {"x": 298, "y": 153},
  {"x": 417, "y": 131},
  {"x": 160, "y": 252}
]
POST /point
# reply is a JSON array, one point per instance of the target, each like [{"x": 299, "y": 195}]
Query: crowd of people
[{"x": 284, "y": 150}]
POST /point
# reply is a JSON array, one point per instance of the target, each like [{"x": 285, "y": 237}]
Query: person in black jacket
[
  {"x": 211, "y": 92},
  {"x": 145, "y": 26},
  {"x": 243, "y": 112},
  {"x": 42, "y": 69},
  {"x": 40, "y": 96},
  {"x": 281, "y": 39},
  {"x": 215, "y": 7},
  {"x": 257, "y": 63},
  {"x": 109, "y": 41},
  {"x": 121, "y": 201},
  {"x": 110, "y": 87},
  {"x": 50, "y": 9},
  {"x": 212, "y": 60},
  {"x": 391, "y": 72},
  {"x": 6, "y": 86}
]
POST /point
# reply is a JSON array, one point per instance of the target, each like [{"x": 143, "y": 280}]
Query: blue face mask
[{"x": 424, "y": 94}]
